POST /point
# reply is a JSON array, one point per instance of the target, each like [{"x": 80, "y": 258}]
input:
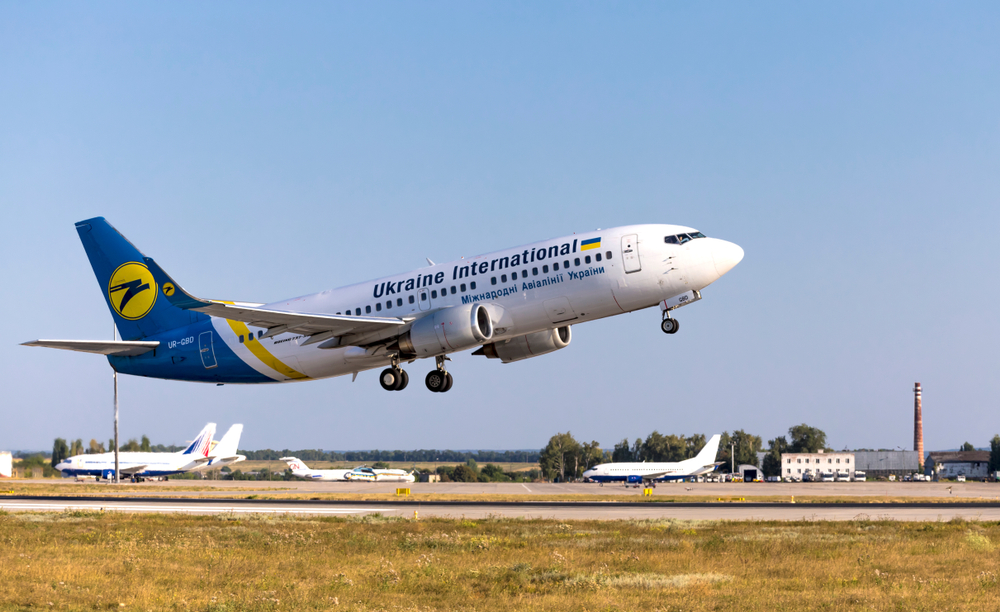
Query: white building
[{"x": 797, "y": 465}]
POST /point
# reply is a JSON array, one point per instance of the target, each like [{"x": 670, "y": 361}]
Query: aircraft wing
[
  {"x": 322, "y": 326},
  {"x": 135, "y": 469},
  {"x": 654, "y": 476},
  {"x": 121, "y": 348}
]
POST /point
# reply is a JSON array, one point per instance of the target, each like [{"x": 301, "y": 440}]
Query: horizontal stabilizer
[
  {"x": 276, "y": 321},
  {"x": 120, "y": 348}
]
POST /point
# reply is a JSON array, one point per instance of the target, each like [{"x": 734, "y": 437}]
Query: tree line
[
  {"x": 63, "y": 450},
  {"x": 414, "y": 456}
]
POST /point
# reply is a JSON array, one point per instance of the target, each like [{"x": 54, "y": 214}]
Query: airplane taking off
[
  {"x": 223, "y": 452},
  {"x": 703, "y": 463},
  {"x": 132, "y": 464},
  {"x": 508, "y": 305},
  {"x": 300, "y": 469}
]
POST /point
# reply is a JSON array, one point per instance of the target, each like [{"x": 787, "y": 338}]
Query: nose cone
[
  {"x": 726, "y": 256},
  {"x": 62, "y": 465}
]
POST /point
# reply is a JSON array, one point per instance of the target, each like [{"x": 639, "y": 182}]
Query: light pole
[{"x": 114, "y": 336}]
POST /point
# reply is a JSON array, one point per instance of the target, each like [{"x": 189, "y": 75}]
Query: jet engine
[
  {"x": 451, "y": 329},
  {"x": 527, "y": 346}
]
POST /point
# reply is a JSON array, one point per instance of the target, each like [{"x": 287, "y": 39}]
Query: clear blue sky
[{"x": 260, "y": 151}]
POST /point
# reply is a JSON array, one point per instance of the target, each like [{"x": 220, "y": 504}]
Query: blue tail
[{"x": 127, "y": 284}]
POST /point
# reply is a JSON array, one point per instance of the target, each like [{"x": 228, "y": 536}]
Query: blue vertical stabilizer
[{"x": 128, "y": 286}]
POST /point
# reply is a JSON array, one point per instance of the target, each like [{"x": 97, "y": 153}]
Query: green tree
[
  {"x": 76, "y": 448},
  {"x": 560, "y": 455},
  {"x": 59, "y": 451},
  {"x": 463, "y": 473},
  {"x": 380, "y": 465},
  {"x": 622, "y": 452},
  {"x": 659, "y": 447},
  {"x": 494, "y": 473},
  {"x": 805, "y": 439},
  {"x": 144, "y": 445},
  {"x": 590, "y": 455},
  {"x": 772, "y": 461},
  {"x": 95, "y": 447},
  {"x": 132, "y": 446},
  {"x": 967, "y": 447},
  {"x": 995, "y": 454},
  {"x": 693, "y": 445},
  {"x": 747, "y": 446},
  {"x": 111, "y": 445}
]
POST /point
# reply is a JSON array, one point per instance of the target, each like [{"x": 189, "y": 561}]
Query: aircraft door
[
  {"x": 630, "y": 253},
  {"x": 207, "y": 350},
  {"x": 424, "y": 299}
]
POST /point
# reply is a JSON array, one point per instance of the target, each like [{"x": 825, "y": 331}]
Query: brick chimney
[{"x": 918, "y": 423}]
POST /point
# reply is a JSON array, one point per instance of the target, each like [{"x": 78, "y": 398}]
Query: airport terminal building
[{"x": 797, "y": 465}]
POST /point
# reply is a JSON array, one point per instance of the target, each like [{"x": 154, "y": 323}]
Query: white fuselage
[
  {"x": 636, "y": 269},
  {"x": 156, "y": 464}
]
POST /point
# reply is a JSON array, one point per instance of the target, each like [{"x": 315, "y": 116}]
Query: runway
[{"x": 525, "y": 510}]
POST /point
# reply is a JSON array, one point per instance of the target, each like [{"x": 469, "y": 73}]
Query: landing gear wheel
[
  {"x": 404, "y": 380},
  {"x": 449, "y": 381},
  {"x": 436, "y": 380},
  {"x": 390, "y": 379},
  {"x": 670, "y": 326}
]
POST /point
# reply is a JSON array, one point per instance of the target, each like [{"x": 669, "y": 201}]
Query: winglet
[
  {"x": 174, "y": 293},
  {"x": 429, "y": 262}
]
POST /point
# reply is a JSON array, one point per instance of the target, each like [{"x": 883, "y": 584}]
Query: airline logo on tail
[{"x": 132, "y": 290}]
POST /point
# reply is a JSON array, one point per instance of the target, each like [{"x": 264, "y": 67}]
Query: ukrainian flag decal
[{"x": 593, "y": 243}]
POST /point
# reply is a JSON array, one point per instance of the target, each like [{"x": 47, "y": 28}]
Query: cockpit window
[{"x": 682, "y": 238}]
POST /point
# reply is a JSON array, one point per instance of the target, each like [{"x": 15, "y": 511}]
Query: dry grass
[{"x": 95, "y": 561}]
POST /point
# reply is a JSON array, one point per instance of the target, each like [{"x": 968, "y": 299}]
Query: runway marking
[{"x": 526, "y": 487}]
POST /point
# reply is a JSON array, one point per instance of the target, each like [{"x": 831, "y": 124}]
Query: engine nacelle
[
  {"x": 451, "y": 329},
  {"x": 527, "y": 346}
]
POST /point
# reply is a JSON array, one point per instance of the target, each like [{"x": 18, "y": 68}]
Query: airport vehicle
[
  {"x": 367, "y": 474},
  {"x": 859, "y": 476},
  {"x": 773, "y": 479},
  {"x": 300, "y": 469},
  {"x": 223, "y": 452},
  {"x": 142, "y": 464},
  {"x": 960, "y": 478},
  {"x": 843, "y": 476},
  {"x": 827, "y": 477},
  {"x": 807, "y": 476},
  {"x": 703, "y": 463},
  {"x": 510, "y": 305}
]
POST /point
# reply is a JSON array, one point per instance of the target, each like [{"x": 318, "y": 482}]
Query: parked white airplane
[
  {"x": 102, "y": 465},
  {"x": 703, "y": 463},
  {"x": 223, "y": 452},
  {"x": 300, "y": 469},
  {"x": 368, "y": 474},
  {"x": 510, "y": 305}
]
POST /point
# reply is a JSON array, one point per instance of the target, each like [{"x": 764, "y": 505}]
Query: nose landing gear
[
  {"x": 439, "y": 380},
  {"x": 669, "y": 325}
]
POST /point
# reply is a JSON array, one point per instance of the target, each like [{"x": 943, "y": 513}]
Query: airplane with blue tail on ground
[
  {"x": 509, "y": 305},
  {"x": 142, "y": 464}
]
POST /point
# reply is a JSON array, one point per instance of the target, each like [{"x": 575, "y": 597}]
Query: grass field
[{"x": 92, "y": 561}]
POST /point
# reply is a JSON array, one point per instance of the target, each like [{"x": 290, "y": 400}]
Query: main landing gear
[
  {"x": 669, "y": 325},
  {"x": 394, "y": 378},
  {"x": 438, "y": 380}
]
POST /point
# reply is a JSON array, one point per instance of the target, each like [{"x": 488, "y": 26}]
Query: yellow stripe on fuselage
[{"x": 262, "y": 353}]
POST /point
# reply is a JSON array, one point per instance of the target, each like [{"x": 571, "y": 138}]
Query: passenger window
[
  {"x": 378, "y": 306},
  {"x": 566, "y": 264},
  {"x": 399, "y": 301},
  {"x": 241, "y": 338},
  {"x": 411, "y": 299},
  {"x": 423, "y": 297},
  {"x": 608, "y": 254},
  {"x": 597, "y": 257},
  {"x": 545, "y": 269},
  {"x": 472, "y": 285},
  {"x": 260, "y": 333},
  {"x": 368, "y": 309},
  {"x": 513, "y": 276},
  {"x": 534, "y": 271},
  {"x": 463, "y": 287},
  {"x": 434, "y": 294},
  {"x": 249, "y": 336},
  {"x": 576, "y": 261},
  {"x": 357, "y": 311},
  {"x": 493, "y": 280},
  {"x": 586, "y": 259},
  {"x": 453, "y": 290},
  {"x": 338, "y": 313},
  {"x": 503, "y": 278},
  {"x": 388, "y": 304},
  {"x": 555, "y": 267}
]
